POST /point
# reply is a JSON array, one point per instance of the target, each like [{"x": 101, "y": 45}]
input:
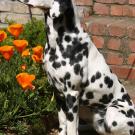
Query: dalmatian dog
[{"x": 80, "y": 74}]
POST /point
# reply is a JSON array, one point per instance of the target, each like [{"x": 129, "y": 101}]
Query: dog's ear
[
  {"x": 59, "y": 7},
  {"x": 55, "y": 10}
]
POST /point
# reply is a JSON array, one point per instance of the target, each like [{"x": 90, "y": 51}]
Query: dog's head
[
  {"x": 56, "y": 7},
  {"x": 44, "y": 4}
]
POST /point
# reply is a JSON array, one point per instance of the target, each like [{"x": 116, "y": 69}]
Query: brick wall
[
  {"x": 110, "y": 23},
  {"x": 16, "y": 11},
  {"x": 112, "y": 29}
]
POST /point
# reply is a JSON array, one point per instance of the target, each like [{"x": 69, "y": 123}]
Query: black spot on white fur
[
  {"x": 96, "y": 77},
  {"x": 63, "y": 63},
  {"x": 56, "y": 65},
  {"x": 106, "y": 98},
  {"x": 130, "y": 123},
  {"x": 93, "y": 78},
  {"x": 70, "y": 116},
  {"x": 89, "y": 95},
  {"x": 114, "y": 123},
  {"x": 77, "y": 68},
  {"x": 70, "y": 101},
  {"x": 75, "y": 109},
  {"x": 67, "y": 38},
  {"x": 67, "y": 76},
  {"x": 108, "y": 81},
  {"x": 101, "y": 85},
  {"x": 122, "y": 90},
  {"x": 126, "y": 98},
  {"x": 131, "y": 113}
]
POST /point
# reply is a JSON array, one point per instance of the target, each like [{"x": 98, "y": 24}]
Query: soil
[
  {"x": 129, "y": 85},
  {"x": 89, "y": 132}
]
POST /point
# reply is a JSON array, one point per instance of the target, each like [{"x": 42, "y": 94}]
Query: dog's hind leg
[
  {"x": 117, "y": 120},
  {"x": 120, "y": 120}
]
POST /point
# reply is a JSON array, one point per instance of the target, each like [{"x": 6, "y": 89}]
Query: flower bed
[{"x": 25, "y": 95}]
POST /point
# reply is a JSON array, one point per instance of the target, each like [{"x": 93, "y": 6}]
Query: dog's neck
[
  {"x": 75, "y": 12},
  {"x": 66, "y": 23}
]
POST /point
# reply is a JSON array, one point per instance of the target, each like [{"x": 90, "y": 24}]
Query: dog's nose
[
  {"x": 53, "y": 15},
  {"x": 26, "y": 1},
  {"x": 23, "y": 1}
]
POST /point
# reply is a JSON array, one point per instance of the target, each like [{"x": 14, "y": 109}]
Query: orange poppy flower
[
  {"x": 20, "y": 44},
  {"x": 23, "y": 67},
  {"x": 37, "y": 53},
  {"x": 7, "y": 51},
  {"x": 15, "y": 29},
  {"x": 38, "y": 50},
  {"x": 36, "y": 58},
  {"x": 3, "y": 35},
  {"x": 25, "y": 80},
  {"x": 26, "y": 53}
]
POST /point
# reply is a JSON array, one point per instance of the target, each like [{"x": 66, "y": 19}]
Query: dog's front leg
[
  {"x": 62, "y": 109},
  {"x": 62, "y": 122},
  {"x": 72, "y": 103}
]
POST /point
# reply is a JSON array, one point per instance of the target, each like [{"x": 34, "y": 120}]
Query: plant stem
[{"x": 29, "y": 115}]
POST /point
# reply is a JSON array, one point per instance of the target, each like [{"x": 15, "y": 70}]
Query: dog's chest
[
  {"x": 60, "y": 73},
  {"x": 65, "y": 64}
]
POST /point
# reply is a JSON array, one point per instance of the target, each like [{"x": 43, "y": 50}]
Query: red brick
[
  {"x": 131, "y": 59},
  {"x": 98, "y": 41},
  {"x": 124, "y": 72},
  {"x": 112, "y": 1},
  {"x": 126, "y": 10},
  {"x": 84, "y": 2},
  {"x": 97, "y": 29},
  {"x": 131, "y": 31},
  {"x": 101, "y": 9},
  {"x": 131, "y": 45},
  {"x": 114, "y": 59},
  {"x": 120, "y": 1},
  {"x": 118, "y": 29},
  {"x": 131, "y": 1},
  {"x": 104, "y": 1},
  {"x": 132, "y": 11},
  {"x": 114, "y": 44},
  {"x": 123, "y": 10},
  {"x": 117, "y": 10},
  {"x": 99, "y": 26}
]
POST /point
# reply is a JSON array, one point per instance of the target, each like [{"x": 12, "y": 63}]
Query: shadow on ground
[{"x": 90, "y": 132}]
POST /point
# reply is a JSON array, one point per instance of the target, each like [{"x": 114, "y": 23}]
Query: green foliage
[
  {"x": 19, "y": 109},
  {"x": 34, "y": 32}
]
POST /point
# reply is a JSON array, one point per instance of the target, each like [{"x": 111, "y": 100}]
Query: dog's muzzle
[{"x": 28, "y": 4}]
